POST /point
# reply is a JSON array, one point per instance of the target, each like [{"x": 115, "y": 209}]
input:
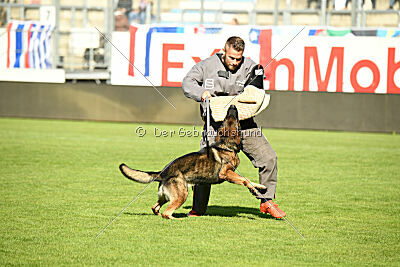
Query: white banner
[
  {"x": 26, "y": 44},
  {"x": 162, "y": 56}
]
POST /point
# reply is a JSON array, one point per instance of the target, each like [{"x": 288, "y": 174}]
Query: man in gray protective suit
[{"x": 225, "y": 74}]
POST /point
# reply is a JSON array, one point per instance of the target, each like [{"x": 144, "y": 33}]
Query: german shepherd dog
[{"x": 212, "y": 166}]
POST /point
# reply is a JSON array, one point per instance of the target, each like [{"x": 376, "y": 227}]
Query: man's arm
[{"x": 192, "y": 84}]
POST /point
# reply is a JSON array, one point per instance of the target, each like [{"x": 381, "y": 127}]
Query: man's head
[{"x": 233, "y": 52}]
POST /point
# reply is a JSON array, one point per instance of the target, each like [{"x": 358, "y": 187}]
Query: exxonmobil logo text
[
  {"x": 336, "y": 54},
  {"x": 308, "y": 66}
]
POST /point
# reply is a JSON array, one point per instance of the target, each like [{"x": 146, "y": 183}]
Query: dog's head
[{"x": 229, "y": 132}]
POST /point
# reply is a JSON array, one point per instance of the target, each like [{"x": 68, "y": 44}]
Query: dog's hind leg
[
  {"x": 177, "y": 193},
  {"x": 161, "y": 201},
  {"x": 156, "y": 207},
  {"x": 175, "y": 204}
]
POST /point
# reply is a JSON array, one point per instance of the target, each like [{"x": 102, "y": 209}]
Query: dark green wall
[{"x": 296, "y": 110}]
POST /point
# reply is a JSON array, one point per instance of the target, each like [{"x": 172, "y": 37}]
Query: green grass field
[{"x": 60, "y": 186}]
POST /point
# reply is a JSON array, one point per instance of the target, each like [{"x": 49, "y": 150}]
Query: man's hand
[{"x": 205, "y": 94}]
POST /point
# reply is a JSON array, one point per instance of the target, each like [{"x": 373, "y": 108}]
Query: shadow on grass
[
  {"x": 176, "y": 214},
  {"x": 219, "y": 211},
  {"x": 235, "y": 211}
]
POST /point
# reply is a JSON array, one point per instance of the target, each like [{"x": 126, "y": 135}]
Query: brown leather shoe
[{"x": 272, "y": 208}]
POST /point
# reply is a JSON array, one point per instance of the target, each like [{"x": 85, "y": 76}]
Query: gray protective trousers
[{"x": 257, "y": 148}]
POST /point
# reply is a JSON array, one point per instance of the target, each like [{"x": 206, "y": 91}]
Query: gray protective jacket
[{"x": 204, "y": 76}]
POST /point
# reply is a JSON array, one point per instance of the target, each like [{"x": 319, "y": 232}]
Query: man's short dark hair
[{"x": 236, "y": 43}]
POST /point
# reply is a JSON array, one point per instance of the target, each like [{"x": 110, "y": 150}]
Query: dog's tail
[{"x": 139, "y": 176}]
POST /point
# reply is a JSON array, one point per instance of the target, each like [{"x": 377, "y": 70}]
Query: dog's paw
[
  {"x": 259, "y": 186},
  {"x": 168, "y": 217},
  {"x": 155, "y": 211},
  {"x": 262, "y": 190},
  {"x": 253, "y": 191}
]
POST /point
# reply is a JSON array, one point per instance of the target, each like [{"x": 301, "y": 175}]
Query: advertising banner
[
  {"x": 295, "y": 58},
  {"x": 26, "y": 53},
  {"x": 27, "y": 44}
]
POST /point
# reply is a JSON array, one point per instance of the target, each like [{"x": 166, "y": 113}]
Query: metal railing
[
  {"x": 357, "y": 13},
  {"x": 218, "y": 8}
]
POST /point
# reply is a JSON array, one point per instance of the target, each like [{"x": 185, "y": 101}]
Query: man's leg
[
  {"x": 201, "y": 193},
  {"x": 259, "y": 151}
]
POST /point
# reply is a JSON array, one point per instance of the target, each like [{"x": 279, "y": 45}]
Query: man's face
[{"x": 232, "y": 58}]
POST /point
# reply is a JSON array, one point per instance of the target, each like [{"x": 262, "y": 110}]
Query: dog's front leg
[{"x": 229, "y": 175}]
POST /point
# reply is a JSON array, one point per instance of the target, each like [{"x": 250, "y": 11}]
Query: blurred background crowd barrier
[
  {"x": 78, "y": 49},
  {"x": 341, "y": 46}
]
